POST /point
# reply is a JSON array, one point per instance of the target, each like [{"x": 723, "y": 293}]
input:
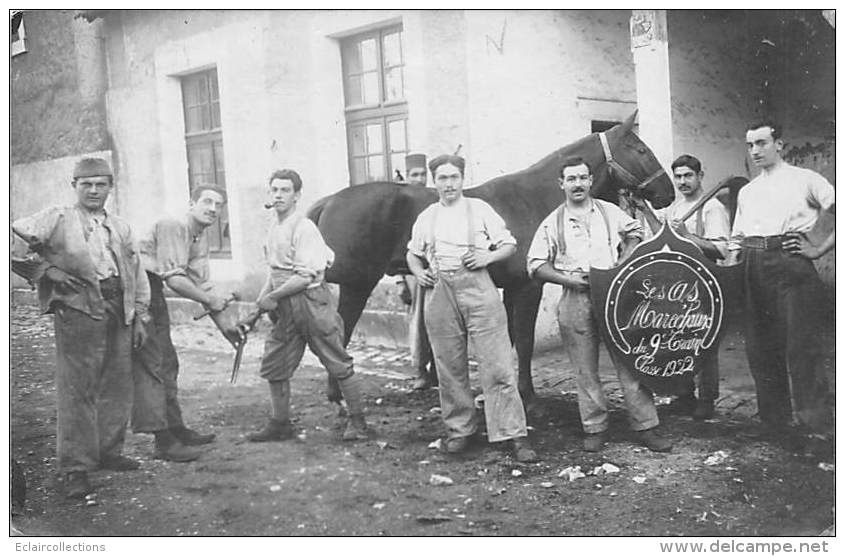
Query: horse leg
[
  {"x": 350, "y": 305},
  {"x": 522, "y": 304}
]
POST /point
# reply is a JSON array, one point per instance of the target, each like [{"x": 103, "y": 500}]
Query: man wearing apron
[
  {"x": 452, "y": 243},
  {"x": 175, "y": 253},
  {"x": 582, "y": 233},
  {"x": 303, "y": 310}
]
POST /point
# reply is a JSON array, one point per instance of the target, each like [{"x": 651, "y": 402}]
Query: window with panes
[
  {"x": 204, "y": 148},
  {"x": 376, "y": 110}
]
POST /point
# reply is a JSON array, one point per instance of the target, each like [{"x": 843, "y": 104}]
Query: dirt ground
[{"x": 722, "y": 478}]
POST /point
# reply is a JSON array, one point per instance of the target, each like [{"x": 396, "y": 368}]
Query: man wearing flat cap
[
  {"x": 452, "y": 243},
  {"x": 413, "y": 295},
  {"x": 90, "y": 278}
]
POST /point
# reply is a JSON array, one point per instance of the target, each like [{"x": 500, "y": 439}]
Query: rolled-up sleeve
[
  {"x": 496, "y": 228},
  {"x": 311, "y": 255},
  {"x": 626, "y": 227},
  {"x": 35, "y": 230},
  {"x": 418, "y": 242},
  {"x": 822, "y": 193},
  {"x": 172, "y": 247},
  {"x": 142, "y": 289},
  {"x": 543, "y": 245},
  {"x": 717, "y": 225},
  {"x": 738, "y": 232}
]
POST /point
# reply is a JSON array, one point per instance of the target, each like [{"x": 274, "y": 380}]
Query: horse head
[{"x": 629, "y": 164}]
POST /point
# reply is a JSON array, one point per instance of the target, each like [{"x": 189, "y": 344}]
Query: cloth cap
[
  {"x": 89, "y": 167},
  {"x": 455, "y": 160},
  {"x": 414, "y": 160}
]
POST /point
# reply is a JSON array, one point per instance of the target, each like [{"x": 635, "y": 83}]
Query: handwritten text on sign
[{"x": 663, "y": 311}]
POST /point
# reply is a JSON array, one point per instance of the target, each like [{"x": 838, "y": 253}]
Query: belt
[
  {"x": 764, "y": 243},
  {"x": 110, "y": 288}
]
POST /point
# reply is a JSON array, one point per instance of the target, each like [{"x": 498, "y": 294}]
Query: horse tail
[{"x": 315, "y": 210}]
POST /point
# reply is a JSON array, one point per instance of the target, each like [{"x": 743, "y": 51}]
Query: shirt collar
[
  {"x": 100, "y": 218},
  {"x": 569, "y": 215}
]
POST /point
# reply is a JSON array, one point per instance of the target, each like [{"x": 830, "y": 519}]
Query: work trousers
[
  {"x": 306, "y": 318},
  {"x": 418, "y": 340},
  {"x": 783, "y": 296},
  {"x": 93, "y": 385},
  {"x": 580, "y": 335},
  {"x": 465, "y": 305},
  {"x": 707, "y": 379},
  {"x": 155, "y": 370}
]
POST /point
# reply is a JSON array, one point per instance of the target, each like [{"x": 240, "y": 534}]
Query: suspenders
[
  {"x": 561, "y": 223},
  {"x": 699, "y": 223}
]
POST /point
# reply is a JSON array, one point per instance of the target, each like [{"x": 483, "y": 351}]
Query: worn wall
[
  {"x": 715, "y": 87},
  {"x": 57, "y": 112},
  {"x": 718, "y": 85},
  {"x": 537, "y": 78},
  {"x": 56, "y": 89}
]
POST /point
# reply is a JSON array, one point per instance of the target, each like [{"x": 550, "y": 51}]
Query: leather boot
[
  {"x": 522, "y": 450},
  {"x": 273, "y": 431},
  {"x": 353, "y": 393},
  {"x": 190, "y": 437},
  {"x": 653, "y": 442},
  {"x": 168, "y": 448},
  {"x": 356, "y": 429},
  {"x": 77, "y": 485}
]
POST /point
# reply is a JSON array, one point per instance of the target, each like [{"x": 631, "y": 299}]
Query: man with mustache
[
  {"x": 89, "y": 276},
  {"x": 174, "y": 252},
  {"x": 582, "y": 233},
  {"x": 712, "y": 228},
  {"x": 452, "y": 243},
  {"x": 303, "y": 312},
  {"x": 783, "y": 292},
  {"x": 414, "y": 296}
]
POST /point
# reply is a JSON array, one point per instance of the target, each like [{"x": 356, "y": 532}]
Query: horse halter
[{"x": 630, "y": 179}]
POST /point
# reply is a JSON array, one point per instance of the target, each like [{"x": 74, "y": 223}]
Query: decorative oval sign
[{"x": 661, "y": 311}]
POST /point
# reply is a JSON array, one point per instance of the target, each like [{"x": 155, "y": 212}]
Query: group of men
[
  {"x": 116, "y": 360},
  {"x": 454, "y": 240}
]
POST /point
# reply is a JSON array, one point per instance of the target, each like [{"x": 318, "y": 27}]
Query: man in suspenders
[
  {"x": 452, "y": 243},
  {"x": 711, "y": 229},
  {"x": 303, "y": 312},
  {"x": 582, "y": 233}
]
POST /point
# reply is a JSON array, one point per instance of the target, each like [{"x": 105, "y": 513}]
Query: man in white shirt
[
  {"x": 452, "y": 243},
  {"x": 303, "y": 313},
  {"x": 711, "y": 230},
  {"x": 582, "y": 233},
  {"x": 782, "y": 288}
]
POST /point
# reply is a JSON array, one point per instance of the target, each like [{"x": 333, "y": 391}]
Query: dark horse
[{"x": 368, "y": 226}]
